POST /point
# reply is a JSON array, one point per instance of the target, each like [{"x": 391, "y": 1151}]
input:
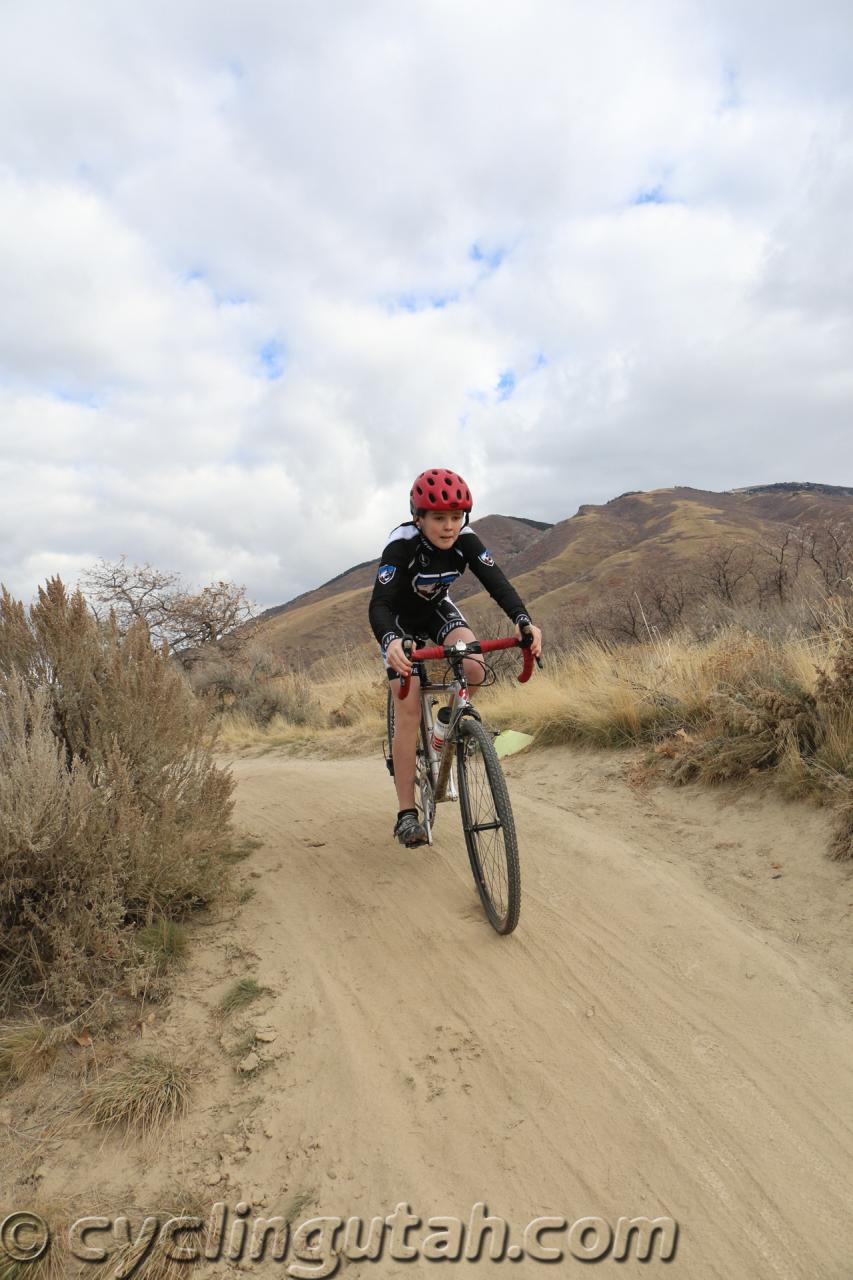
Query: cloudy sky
[{"x": 263, "y": 262}]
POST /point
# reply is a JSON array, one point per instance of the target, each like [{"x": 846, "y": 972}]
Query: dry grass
[
  {"x": 153, "y": 1261},
  {"x": 28, "y": 1049},
  {"x": 638, "y": 693},
  {"x": 147, "y": 1258},
  {"x": 243, "y": 847},
  {"x": 162, "y": 941},
  {"x": 56, "y": 1263},
  {"x": 50, "y": 1266},
  {"x": 141, "y": 1097},
  {"x": 348, "y": 714},
  {"x": 715, "y": 707},
  {"x": 243, "y": 992},
  {"x": 595, "y": 695}
]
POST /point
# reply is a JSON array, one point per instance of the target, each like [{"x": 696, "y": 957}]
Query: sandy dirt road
[{"x": 668, "y": 1033}]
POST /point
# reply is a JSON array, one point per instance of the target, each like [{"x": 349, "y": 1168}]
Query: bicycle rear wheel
[{"x": 488, "y": 825}]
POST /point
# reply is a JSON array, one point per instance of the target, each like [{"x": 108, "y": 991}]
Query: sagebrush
[{"x": 112, "y": 810}]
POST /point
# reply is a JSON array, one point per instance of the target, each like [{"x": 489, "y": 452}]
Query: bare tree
[
  {"x": 724, "y": 570},
  {"x": 664, "y": 598},
  {"x": 187, "y": 621},
  {"x": 624, "y": 617},
  {"x": 829, "y": 546},
  {"x": 786, "y": 557}
]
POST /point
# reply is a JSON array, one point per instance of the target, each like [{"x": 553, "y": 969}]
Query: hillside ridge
[{"x": 592, "y": 560}]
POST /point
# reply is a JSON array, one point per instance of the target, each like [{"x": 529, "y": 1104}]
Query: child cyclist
[{"x": 421, "y": 560}]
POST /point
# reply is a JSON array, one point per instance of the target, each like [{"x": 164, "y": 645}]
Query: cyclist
[{"x": 421, "y": 560}]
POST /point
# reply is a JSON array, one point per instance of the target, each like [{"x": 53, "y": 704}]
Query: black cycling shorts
[{"x": 444, "y": 618}]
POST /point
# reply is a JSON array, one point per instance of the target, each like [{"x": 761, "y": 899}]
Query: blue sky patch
[
  {"x": 88, "y": 399},
  {"x": 505, "y": 384},
  {"x": 651, "y": 195},
  {"x": 415, "y": 302},
  {"x": 196, "y": 275},
  {"x": 731, "y": 97},
  {"x": 490, "y": 258},
  {"x": 271, "y": 356}
]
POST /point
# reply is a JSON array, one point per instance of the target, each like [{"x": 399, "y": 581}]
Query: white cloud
[{"x": 184, "y": 189}]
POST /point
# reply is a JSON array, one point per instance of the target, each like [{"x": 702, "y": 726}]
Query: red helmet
[{"x": 439, "y": 490}]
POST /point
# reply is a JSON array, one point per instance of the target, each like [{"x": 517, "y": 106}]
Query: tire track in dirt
[
  {"x": 637, "y": 1047},
  {"x": 653, "y": 1040}
]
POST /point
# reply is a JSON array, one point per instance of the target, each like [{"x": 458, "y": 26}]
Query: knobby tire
[{"x": 484, "y": 799}]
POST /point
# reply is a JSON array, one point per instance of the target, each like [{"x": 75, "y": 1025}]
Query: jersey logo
[
  {"x": 386, "y": 573},
  {"x": 485, "y": 558},
  {"x": 429, "y": 584}
]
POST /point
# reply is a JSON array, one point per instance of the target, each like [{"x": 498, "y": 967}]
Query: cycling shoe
[{"x": 410, "y": 831}]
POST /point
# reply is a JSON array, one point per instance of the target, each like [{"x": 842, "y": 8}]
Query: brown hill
[
  {"x": 505, "y": 535},
  {"x": 592, "y": 557}
]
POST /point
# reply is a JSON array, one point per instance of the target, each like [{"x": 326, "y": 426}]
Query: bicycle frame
[
  {"x": 485, "y": 809},
  {"x": 441, "y": 762},
  {"x": 460, "y": 704}
]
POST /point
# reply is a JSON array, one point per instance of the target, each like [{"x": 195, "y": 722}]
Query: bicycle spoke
[
  {"x": 488, "y": 826},
  {"x": 480, "y": 786}
]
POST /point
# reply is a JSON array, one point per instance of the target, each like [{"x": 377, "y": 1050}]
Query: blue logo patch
[
  {"x": 486, "y": 558},
  {"x": 427, "y": 584},
  {"x": 386, "y": 573}
]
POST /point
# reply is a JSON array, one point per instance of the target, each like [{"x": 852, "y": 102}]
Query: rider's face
[{"x": 442, "y": 527}]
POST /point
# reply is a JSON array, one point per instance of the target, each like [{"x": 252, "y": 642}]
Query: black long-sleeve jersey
[{"x": 414, "y": 576}]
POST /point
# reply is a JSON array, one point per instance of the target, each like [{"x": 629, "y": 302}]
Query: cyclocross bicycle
[{"x": 487, "y": 821}]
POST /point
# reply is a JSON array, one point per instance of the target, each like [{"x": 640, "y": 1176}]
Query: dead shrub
[
  {"x": 162, "y": 941},
  {"x": 28, "y": 1048},
  {"x": 841, "y": 845},
  {"x": 748, "y": 732},
  {"x": 241, "y": 993},
  {"x": 142, "y": 1096},
  {"x": 112, "y": 811},
  {"x": 286, "y": 696},
  {"x": 254, "y": 684}
]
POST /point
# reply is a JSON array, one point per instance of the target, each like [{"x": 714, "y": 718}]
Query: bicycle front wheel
[
  {"x": 488, "y": 825},
  {"x": 389, "y": 725}
]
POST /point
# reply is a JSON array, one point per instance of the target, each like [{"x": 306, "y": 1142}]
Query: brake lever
[{"x": 525, "y": 643}]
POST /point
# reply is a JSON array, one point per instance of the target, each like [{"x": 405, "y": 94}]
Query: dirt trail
[{"x": 669, "y": 1031}]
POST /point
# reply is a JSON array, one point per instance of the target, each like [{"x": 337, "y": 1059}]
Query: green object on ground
[{"x": 510, "y": 741}]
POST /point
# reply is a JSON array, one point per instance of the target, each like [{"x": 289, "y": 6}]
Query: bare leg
[
  {"x": 407, "y": 719},
  {"x": 473, "y": 667}
]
